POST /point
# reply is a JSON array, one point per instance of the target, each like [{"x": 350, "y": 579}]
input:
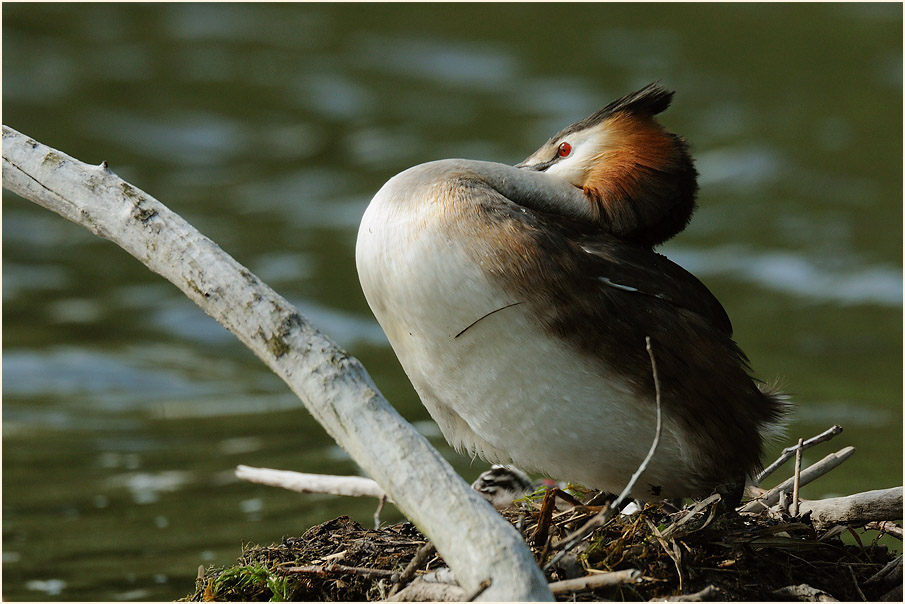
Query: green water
[{"x": 269, "y": 127}]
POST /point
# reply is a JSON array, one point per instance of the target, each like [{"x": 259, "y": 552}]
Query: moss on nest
[{"x": 261, "y": 575}]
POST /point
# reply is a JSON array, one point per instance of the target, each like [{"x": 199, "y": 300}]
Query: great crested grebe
[{"x": 518, "y": 300}]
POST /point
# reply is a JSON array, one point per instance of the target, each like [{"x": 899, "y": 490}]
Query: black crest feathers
[{"x": 647, "y": 102}]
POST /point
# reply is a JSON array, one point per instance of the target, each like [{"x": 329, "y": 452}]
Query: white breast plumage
[{"x": 503, "y": 389}]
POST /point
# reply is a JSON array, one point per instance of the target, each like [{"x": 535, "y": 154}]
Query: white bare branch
[
  {"x": 857, "y": 510},
  {"x": 300, "y": 482},
  {"x": 472, "y": 537}
]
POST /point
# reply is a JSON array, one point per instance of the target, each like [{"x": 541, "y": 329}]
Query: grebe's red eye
[{"x": 564, "y": 149}]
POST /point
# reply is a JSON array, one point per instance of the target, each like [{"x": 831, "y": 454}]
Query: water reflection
[
  {"x": 191, "y": 138},
  {"x": 110, "y": 381},
  {"x": 818, "y": 280}
]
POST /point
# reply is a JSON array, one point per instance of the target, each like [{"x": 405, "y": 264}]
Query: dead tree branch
[
  {"x": 855, "y": 510},
  {"x": 334, "y": 386}
]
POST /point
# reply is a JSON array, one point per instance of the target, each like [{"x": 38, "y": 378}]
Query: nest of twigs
[
  {"x": 701, "y": 552},
  {"x": 775, "y": 547}
]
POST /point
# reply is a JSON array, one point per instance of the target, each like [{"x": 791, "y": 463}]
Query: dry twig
[
  {"x": 421, "y": 557},
  {"x": 707, "y": 594},
  {"x": 591, "y": 582},
  {"x": 796, "y": 479},
  {"x": 808, "y": 475},
  {"x": 420, "y": 590},
  {"x": 349, "y": 486},
  {"x": 691, "y": 513},
  {"x": 789, "y": 452},
  {"x": 671, "y": 548},
  {"x": 886, "y": 526},
  {"x": 855, "y": 582},
  {"x": 543, "y": 519},
  {"x": 377, "y": 511}
]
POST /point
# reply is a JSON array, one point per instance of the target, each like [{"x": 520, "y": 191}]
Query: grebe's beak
[{"x": 534, "y": 167}]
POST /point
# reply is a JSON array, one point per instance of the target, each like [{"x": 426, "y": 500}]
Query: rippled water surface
[{"x": 269, "y": 127}]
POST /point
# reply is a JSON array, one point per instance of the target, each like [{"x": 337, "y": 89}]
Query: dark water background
[{"x": 269, "y": 127}]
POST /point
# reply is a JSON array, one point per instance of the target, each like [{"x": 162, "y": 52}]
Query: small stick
[
  {"x": 886, "y": 526},
  {"x": 783, "y": 502},
  {"x": 421, "y": 556},
  {"x": 609, "y": 511},
  {"x": 855, "y": 581},
  {"x": 377, "y": 512},
  {"x": 575, "y": 514},
  {"x": 546, "y": 550},
  {"x": 520, "y": 525},
  {"x": 352, "y": 486},
  {"x": 807, "y": 475},
  {"x": 796, "y": 482},
  {"x": 653, "y": 445},
  {"x": 789, "y": 452},
  {"x": 591, "y": 582},
  {"x": 672, "y": 528},
  {"x": 482, "y": 587},
  {"x": 671, "y": 548},
  {"x": 709, "y": 593},
  {"x": 421, "y": 591},
  {"x": 568, "y": 498},
  {"x": 543, "y": 519},
  {"x": 600, "y": 499},
  {"x": 322, "y": 570}
]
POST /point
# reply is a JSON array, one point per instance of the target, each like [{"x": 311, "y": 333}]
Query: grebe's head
[{"x": 639, "y": 179}]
